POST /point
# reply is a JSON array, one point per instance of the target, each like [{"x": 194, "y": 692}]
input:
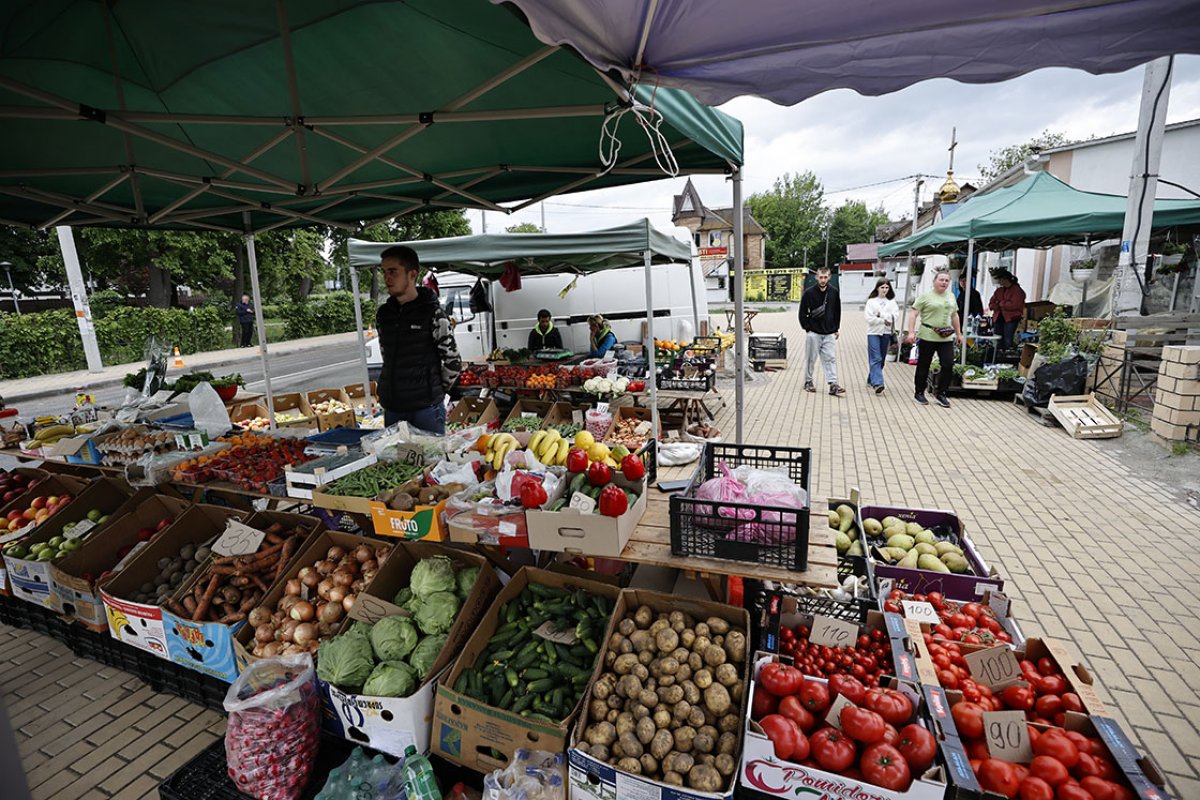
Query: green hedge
[
  {"x": 48, "y": 342},
  {"x": 321, "y": 315}
]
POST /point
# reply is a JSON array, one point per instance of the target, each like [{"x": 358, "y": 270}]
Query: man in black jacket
[
  {"x": 245, "y": 315},
  {"x": 821, "y": 316},
  {"x": 420, "y": 357},
  {"x": 544, "y": 335}
]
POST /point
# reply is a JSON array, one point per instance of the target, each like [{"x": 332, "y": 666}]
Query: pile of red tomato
[
  {"x": 877, "y": 742},
  {"x": 969, "y": 623},
  {"x": 869, "y": 658}
]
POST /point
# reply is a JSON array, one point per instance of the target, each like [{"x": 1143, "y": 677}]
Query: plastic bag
[
  {"x": 447, "y": 472},
  {"x": 362, "y": 772},
  {"x": 208, "y": 411},
  {"x": 771, "y": 482},
  {"x": 1065, "y": 378},
  {"x": 674, "y": 454},
  {"x": 531, "y": 775},
  {"x": 724, "y": 489},
  {"x": 274, "y": 727}
]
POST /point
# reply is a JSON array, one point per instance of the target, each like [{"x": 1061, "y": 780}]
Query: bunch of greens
[{"x": 374, "y": 479}]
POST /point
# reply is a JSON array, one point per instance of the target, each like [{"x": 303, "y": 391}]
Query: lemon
[
  {"x": 584, "y": 440},
  {"x": 597, "y": 452}
]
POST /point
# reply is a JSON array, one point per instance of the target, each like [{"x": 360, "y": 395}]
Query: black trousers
[
  {"x": 247, "y": 333},
  {"x": 925, "y": 353}
]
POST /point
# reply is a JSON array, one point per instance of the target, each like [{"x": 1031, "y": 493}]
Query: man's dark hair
[
  {"x": 545, "y": 312},
  {"x": 824, "y": 269},
  {"x": 405, "y": 255}
]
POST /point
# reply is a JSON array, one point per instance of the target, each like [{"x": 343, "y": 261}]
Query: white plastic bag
[
  {"x": 674, "y": 454},
  {"x": 208, "y": 411},
  {"x": 770, "y": 481}
]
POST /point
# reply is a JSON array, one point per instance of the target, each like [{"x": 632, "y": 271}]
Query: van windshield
[{"x": 456, "y": 300}]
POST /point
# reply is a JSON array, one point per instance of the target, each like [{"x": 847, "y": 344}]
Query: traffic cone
[
  {"x": 370, "y": 331},
  {"x": 178, "y": 359}
]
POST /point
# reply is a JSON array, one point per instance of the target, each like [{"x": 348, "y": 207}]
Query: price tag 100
[
  {"x": 830, "y": 632},
  {"x": 920, "y": 611},
  {"x": 995, "y": 667},
  {"x": 238, "y": 540},
  {"x": 1007, "y": 736}
]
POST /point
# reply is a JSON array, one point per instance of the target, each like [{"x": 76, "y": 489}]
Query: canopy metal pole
[
  {"x": 967, "y": 294},
  {"x": 908, "y": 265},
  {"x": 252, "y": 260},
  {"x": 692, "y": 269},
  {"x": 362, "y": 339},
  {"x": 83, "y": 312},
  {"x": 739, "y": 292},
  {"x": 651, "y": 377}
]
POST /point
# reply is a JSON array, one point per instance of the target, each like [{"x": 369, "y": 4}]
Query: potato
[
  {"x": 727, "y": 675},
  {"x": 613, "y": 714},
  {"x": 709, "y": 717},
  {"x": 672, "y": 779},
  {"x": 676, "y": 617},
  {"x": 625, "y": 723},
  {"x": 624, "y": 663},
  {"x": 600, "y": 752},
  {"x": 601, "y": 733},
  {"x": 701, "y": 629},
  {"x": 666, "y": 680},
  {"x": 716, "y": 699},
  {"x": 649, "y": 683},
  {"x": 597, "y": 709},
  {"x": 645, "y": 730},
  {"x": 735, "y": 646},
  {"x": 695, "y": 661},
  {"x": 736, "y": 692},
  {"x": 708, "y": 730},
  {"x": 703, "y": 743},
  {"x": 642, "y": 641},
  {"x": 667, "y": 640},
  {"x": 626, "y": 647},
  {"x": 610, "y": 658},
  {"x": 681, "y": 654},
  {"x": 670, "y": 694},
  {"x": 641, "y": 672},
  {"x": 696, "y": 717},
  {"x": 615, "y": 640},
  {"x": 646, "y": 657},
  {"x": 728, "y": 743},
  {"x": 626, "y": 627},
  {"x": 717, "y": 625},
  {"x": 707, "y": 758},
  {"x": 684, "y": 762},
  {"x": 714, "y": 656},
  {"x": 718, "y": 640},
  {"x": 649, "y": 764},
  {"x": 639, "y": 711},
  {"x": 658, "y": 626},
  {"x": 684, "y": 673},
  {"x": 701, "y": 644},
  {"x": 704, "y": 778},
  {"x": 630, "y": 745},
  {"x": 615, "y": 701},
  {"x": 662, "y": 717},
  {"x": 703, "y": 678},
  {"x": 730, "y": 723},
  {"x": 681, "y": 710},
  {"x": 691, "y": 692},
  {"x": 725, "y": 764},
  {"x": 686, "y": 637},
  {"x": 668, "y": 665},
  {"x": 643, "y": 617},
  {"x": 618, "y": 751},
  {"x": 630, "y": 765},
  {"x": 603, "y": 688},
  {"x": 683, "y": 738}
]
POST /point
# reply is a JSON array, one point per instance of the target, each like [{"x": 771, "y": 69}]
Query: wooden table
[{"x": 749, "y": 313}]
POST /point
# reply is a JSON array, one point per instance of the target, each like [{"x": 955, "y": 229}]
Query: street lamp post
[{"x": 12, "y": 288}]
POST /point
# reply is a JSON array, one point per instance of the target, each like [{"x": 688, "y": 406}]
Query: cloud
[{"x": 849, "y": 140}]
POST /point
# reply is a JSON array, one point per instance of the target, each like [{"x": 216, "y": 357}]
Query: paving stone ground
[{"x": 1092, "y": 554}]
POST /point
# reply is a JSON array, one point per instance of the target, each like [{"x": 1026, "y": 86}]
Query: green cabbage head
[
  {"x": 393, "y": 638},
  {"x": 434, "y": 574},
  {"x": 391, "y": 679},
  {"x": 425, "y": 653},
  {"x": 436, "y": 613},
  {"x": 345, "y": 661}
]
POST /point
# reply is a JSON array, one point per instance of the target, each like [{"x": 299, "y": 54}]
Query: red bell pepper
[
  {"x": 533, "y": 495},
  {"x": 613, "y": 502},
  {"x": 599, "y": 474},
  {"x": 632, "y": 468},
  {"x": 577, "y": 460}
]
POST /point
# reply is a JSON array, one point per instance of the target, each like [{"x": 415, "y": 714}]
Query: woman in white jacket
[{"x": 883, "y": 319}]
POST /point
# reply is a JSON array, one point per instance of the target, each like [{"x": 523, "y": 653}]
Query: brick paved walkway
[{"x": 1093, "y": 555}]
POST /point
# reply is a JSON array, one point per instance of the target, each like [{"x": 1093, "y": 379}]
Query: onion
[
  {"x": 336, "y": 594},
  {"x": 368, "y": 577},
  {"x": 330, "y": 613},
  {"x": 335, "y": 553},
  {"x": 310, "y": 577},
  {"x": 259, "y": 617},
  {"x": 286, "y": 603},
  {"x": 381, "y": 554},
  {"x": 314, "y": 646},
  {"x": 341, "y": 578},
  {"x": 287, "y": 629},
  {"x": 264, "y": 634},
  {"x": 370, "y": 565},
  {"x": 325, "y": 567},
  {"x": 358, "y": 585},
  {"x": 303, "y": 611},
  {"x": 304, "y": 633},
  {"x": 293, "y": 587},
  {"x": 271, "y": 649},
  {"x": 362, "y": 553},
  {"x": 325, "y": 587},
  {"x": 348, "y": 602}
]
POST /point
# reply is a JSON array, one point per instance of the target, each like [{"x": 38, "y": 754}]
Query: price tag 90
[
  {"x": 1007, "y": 736},
  {"x": 830, "y": 632},
  {"x": 371, "y": 609}
]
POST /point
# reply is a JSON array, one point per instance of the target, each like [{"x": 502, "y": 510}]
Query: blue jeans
[
  {"x": 877, "y": 348},
  {"x": 1006, "y": 332},
  {"x": 431, "y": 420}
]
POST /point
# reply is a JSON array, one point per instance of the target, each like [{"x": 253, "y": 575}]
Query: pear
[
  {"x": 856, "y": 549},
  {"x": 846, "y": 513},
  {"x": 901, "y": 541},
  {"x": 925, "y": 549},
  {"x": 956, "y": 563},
  {"x": 834, "y": 520},
  {"x": 895, "y": 530},
  {"x": 892, "y": 553},
  {"x": 947, "y": 547},
  {"x": 912, "y": 529},
  {"x": 842, "y": 541},
  {"x": 909, "y": 560},
  {"x": 890, "y": 521},
  {"x": 872, "y": 526},
  {"x": 931, "y": 563},
  {"x": 924, "y": 536}
]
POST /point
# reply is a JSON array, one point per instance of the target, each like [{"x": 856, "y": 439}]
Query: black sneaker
[
  {"x": 808, "y": 387},
  {"x": 835, "y": 390},
  {"x": 919, "y": 399},
  {"x": 879, "y": 389},
  {"x": 942, "y": 401}
]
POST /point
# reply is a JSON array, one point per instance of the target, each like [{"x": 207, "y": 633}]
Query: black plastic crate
[
  {"x": 700, "y": 383},
  {"x": 13, "y": 612},
  {"x": 768, "y": 349},
  {"x": 716, "y": 529},
  {"x": 206, "y": 777},
  {"x": 43, "y": 620},
  {"x": 106, "y": 650},
  {"x": 168, "y": 677}
]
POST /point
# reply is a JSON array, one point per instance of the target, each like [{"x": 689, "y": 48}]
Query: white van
[{"x": 618, "y": 294}]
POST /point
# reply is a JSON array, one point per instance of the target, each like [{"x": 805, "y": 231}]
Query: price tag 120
[
  {"x": 995, "y": 667},
  {"x": 238, "y": 540},
  {"x": 1007, "y": 736},
  {"x": 921, "y": 612},
  {"x": 830, "y": 632}
]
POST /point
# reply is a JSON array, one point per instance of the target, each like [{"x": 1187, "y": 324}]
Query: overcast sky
[{"x": 849, "y": 140}]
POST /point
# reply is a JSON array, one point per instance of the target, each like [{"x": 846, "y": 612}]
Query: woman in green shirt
[{"x": 940, "y": 329}]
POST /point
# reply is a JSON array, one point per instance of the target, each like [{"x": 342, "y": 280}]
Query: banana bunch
[
  {"x": 52, "y": 433},
  {"x": 550, "y": 447},
  {"x": 498, "y": 447}
]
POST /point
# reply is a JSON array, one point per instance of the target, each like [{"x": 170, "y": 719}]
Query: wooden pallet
[{"x": 1084, "y": 417}]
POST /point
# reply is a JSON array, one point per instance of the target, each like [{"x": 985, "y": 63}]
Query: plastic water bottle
[{"x": 419, "y": 781}]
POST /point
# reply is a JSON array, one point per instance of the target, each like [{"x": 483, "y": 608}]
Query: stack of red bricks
[{"x": 1177, "y": 404}]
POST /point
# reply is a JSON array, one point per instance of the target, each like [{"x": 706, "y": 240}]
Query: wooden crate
[{"x": 1084, "y": 417}]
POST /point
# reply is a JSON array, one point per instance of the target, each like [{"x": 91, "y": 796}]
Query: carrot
[{"x": 206, "y": 600}]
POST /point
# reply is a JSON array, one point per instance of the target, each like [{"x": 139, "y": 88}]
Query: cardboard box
[
  {"x": 966, "y": 587},
  {"x": 465, "y": 729},
  {"x": 505, "y": 530},
  {"x": 303, "y": 478},
  {"x": 206, "y": 646},
  {"x": 31, "y": 579},
  {"x": 474, "y": 411},
  {"x": 141, "y": 624},
  {"x": 352, "y": 395},
  {"x": 390, "y": 724},
  {"x": 571, "y": 531},
  {"x": 422, "y": 523},
  {"x": 47, "y": 486},
  {"x": 761, "y": 771},
  {"x": 1007, "y": 622},
  {"x": 645, "y": 415},
  {"x": 327, "y": 422},
  {"x": 524, "y": 407},
  {"x": 77, "y": 450},
  {"x": 76, "y": 578},
  {"x": 249, "y": 411},
  {"x": 591, "y": 779},
  {"x": 566, "y": 414},
  {"x": 293, "y": 403}
]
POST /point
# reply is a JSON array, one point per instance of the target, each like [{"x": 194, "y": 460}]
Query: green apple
[
  {"x": 95, "y": 514},
  {"x": 55, "y": 541},
  {"x": 35, "y": 549},
  {"x": 17, "y": 551},
  {"x": 71, "y": 545},
  {"x": 46, "y": 555},
  {"x": 103, "y": 519}
]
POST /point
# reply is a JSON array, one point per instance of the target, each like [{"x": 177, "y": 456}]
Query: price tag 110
[
  {"x": 238, "y": 540},
  {"x": 1007, "y": 736},
  {"x": 920, "y": 611},
  {"x": 582, "y": 503},
  {"x": 371, "y": 609},
  {"x": 546, "y": 631},
  {"x": 995, "y": 667},
  {"x": 830, "y": 632},
  {"x": 602, "y": 408}
]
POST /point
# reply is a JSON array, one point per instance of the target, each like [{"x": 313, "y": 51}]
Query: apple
[
  {"x": 51, "y": 500},
  {"x": 56, "y": 541},
  {"x": 14, "y": 514},
  {"x": 95, "y": 514},
  {"x": 9, "y": 496},
  {"x": 145, "y": 534},
  {"x": 164, "y": 522},
  {"x": 29, "y": 513},
  {"x": 39, "y": 502}
]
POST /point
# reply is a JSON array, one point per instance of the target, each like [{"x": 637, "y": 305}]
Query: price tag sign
[
  {"x": 81, "y": 529},
  {"x": 602, "y": 408},
  {"x": 484, "y": 393},
  {"x": 834, "y": 717},
  {"x": 577, "y": 417},
  {"x": 10, "y": 537},
  {"x": 368, "y": 608},
  {"x": 528, "y": 415},
  {"x": 238, "y": 540},
  {"x": 999, "y": 602},
  {"x": 921, "y": 612},
  {"x": 1007, "y": 736},
  {"x": 582, "y": 503},
  {"x": 995, "y": 667},
  {"x": 830, "y": 632},
  {"x": 643, "y": 427},
  {"x": 546, "y": 631},
  {"x": 506, "y": 528}
]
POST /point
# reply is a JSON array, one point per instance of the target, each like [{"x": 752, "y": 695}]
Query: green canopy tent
[
  {"x": 580, "y": 253},
  {"x": 1040, "y": 211},
  {"x": 246, "y": 117}
]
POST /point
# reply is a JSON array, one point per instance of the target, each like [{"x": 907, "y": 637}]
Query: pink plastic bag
[
  {"x": 274, "y": 727},
  {"x": 771, "y": 527},
  {"x": 723, "y": 489}
]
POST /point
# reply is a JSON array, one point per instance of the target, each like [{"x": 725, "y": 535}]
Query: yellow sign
[{"x": 774, "y": 285}]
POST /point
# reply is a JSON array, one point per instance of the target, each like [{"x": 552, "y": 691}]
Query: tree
[
  {"x": 852, "y": 223},
  {"x": 794, "y": 216},
  {"x": 155, "y": 262},
  {"x": 1004, "y": 159},
  {"x": 26, "y": 250},
  {"x": 523, "y": 227}
]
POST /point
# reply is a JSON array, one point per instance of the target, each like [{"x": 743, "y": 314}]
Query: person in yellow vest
[{"x": 544, "y": 336}]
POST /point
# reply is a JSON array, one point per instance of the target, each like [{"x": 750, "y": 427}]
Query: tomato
[
  {"x": 892, "y": 607},
  {"x": 968, "y": 719},
  {"x": 890, "y": 734},
  {"x": 1046, "y": 666},
  {"x": 1086, "y": 765},
  {"x": 780, "y": 679},
  {"x": 861, "y": 724},
  {"x": 1051, "y": 684},
  {"x": 937, "y": 600},
  {"x": 1073, "y": 791},
  {"x": 1099, "y": 788},
  {"x": 948, "y": 679},
  {"x": 978, "y": 749},
  {"x": 958, "y": 620},
  {"x": 793, "y": 709},
  {"x": 1034, "y": 788},
  {"x": 972, "y": 610},
  {"x": 1071, "y": 702},
  {"x": 848, "y": 687},
  {"x": 971, "y": 638},
  {"x": 893, "y": 706},
  {"x": 1056, "y": 744},
  {"x": 883, "y": 765},
  {"x": 1051, "y": 770},
  {"x": 1048, "y": 705},
  {"x": 943, "y": 630},
  {"x": 764, "y": 703},
  {"x": 833, "y": 750},
  {"x": 815, "y": 697},
  {"x": 999, "y": 777},
  {"x": 918, "y": 746},
  {"x": 896, "y": 594},
  {"x": 784, "y": 736},
  {"x": 1018, "y": 698}
]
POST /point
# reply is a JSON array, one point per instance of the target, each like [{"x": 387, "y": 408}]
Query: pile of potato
[{"x": 668, "y": 705}]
